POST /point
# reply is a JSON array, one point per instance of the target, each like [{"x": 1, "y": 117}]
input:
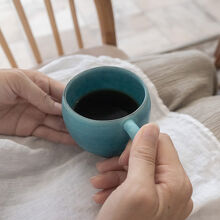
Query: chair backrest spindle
[
  {"x": 54, "y": 26},
  {"x": 27, "y": 30},
  {"x": 106, "y": 23},
  {"x": 76, "y": 24},
  {"x": 7, "y": 51}
]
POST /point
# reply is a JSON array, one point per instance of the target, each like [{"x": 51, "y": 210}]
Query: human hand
[
  {"x": 155, "y": 187},
  {"x": 30, "y": 104},
  {"x": 217, "y": 56}
]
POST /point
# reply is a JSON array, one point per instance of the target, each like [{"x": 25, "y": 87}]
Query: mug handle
[{"x": 131, "y": 128}]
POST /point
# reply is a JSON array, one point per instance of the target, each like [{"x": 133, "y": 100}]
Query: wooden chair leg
[{"x": 217, "y": 56}]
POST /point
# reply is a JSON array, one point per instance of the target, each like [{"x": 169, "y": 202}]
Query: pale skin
[
  {"x": 147, "y": 182},
  {"x": 30, "y": 105}
]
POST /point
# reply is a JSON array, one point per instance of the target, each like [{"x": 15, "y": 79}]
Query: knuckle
[
  {"x": 184, "y": 187},
  {"x": 42, "y": 82},
  {"x": 176, "y": 186}
]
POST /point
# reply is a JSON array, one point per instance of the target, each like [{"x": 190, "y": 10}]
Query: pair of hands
[
  {"x": 146, "y": 182},
  {"x": 30, "y": 104}
]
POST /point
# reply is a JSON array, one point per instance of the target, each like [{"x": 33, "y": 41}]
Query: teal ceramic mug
[{"x": 106, "y": 138}]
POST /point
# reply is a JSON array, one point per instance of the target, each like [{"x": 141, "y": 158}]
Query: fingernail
[{"x": 94, "y": 178}]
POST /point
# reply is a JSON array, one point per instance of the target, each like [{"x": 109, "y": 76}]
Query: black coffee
[{"x": 105, "y": 105}]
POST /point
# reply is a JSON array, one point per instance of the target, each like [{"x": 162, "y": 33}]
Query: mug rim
[{"x": 69, "y": 109}]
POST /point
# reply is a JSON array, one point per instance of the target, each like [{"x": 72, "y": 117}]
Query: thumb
[
  {"x": 143, "y": 155},
  {"x": 29, "y": 91}
]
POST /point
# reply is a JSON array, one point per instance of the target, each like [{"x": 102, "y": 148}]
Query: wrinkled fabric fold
[{"x": 41, "y": 180}]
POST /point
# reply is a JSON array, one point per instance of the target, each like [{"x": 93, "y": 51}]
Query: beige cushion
[{"x": 180, "y": 77}]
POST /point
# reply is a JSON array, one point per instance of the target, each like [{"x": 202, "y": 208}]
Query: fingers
[
  {"x": 101, "y": 196},
  {"x": 56, "y": 89},
  {"x": 49, "y": 85},
  {"x": 27, "y": 89},
  {"x": 112, "y": 174},
  {"x": 55, "y": 122},
  {"x": 123, "y": 160},
  {"x": 53, "y": 135},
  {"x": 108, "y": 180},
  {"x": 167, "y": 157},
  {"x": 167, "y": 154},
  {"x": 109, "y": 165},
  {"x": 143, "y": 155}
]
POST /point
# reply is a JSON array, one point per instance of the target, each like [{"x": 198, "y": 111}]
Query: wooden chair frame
[{"x": 105, "y": 17}]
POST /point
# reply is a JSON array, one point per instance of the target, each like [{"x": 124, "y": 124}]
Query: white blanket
[{"x": 45, "y": 181}]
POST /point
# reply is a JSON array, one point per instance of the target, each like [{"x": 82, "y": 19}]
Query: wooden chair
[
  {"x": 106, "y": 22},
  {"x": 107, "y": 27}
]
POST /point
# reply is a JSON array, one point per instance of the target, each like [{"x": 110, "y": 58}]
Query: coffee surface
[{"x": 105, "y": 105}]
